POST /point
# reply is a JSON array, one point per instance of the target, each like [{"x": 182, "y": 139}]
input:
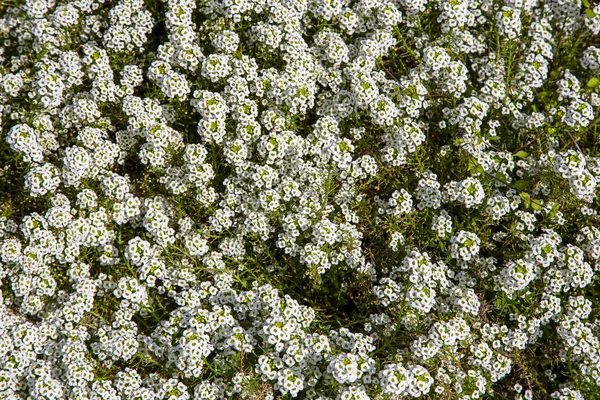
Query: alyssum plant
[{"x": 312, "y": 199}]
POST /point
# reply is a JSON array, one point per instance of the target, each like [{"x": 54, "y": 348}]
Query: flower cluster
[{"x": 322, "y": 199}]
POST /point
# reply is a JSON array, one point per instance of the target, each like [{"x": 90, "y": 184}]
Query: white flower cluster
[{"x": 323, "y": 199}]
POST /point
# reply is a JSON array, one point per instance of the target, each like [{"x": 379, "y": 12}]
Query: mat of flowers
[{"x": 299, "y": 199}]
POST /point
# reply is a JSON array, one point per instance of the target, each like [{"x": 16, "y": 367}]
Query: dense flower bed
[{"x": 313, "y": 199}]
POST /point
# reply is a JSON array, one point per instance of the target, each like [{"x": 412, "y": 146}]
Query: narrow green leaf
[
  {"x": 521, "y": 184},
  {"x": 501, "y": 176},
  {"x": 526, "y": 199},
  {"x": 593, "y": 83},
  {"x": 472, "y": 164},
  {"x": 521, "y": 154},
  {"x": 536, "y": 205},
  {"x": 590, "y": 13},
  {"x": 554, "y": 210}
]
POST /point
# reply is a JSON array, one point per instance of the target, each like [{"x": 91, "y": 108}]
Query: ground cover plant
[{"x": 311, "y": 199}]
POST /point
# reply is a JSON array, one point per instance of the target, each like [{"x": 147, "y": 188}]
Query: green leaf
[
  {"x": 442, "y": 245},
  {"x": 477, "y": 170},
  {"x": 521, "y": 154},
  {"x": 521, "y": 184},
  {"x": 472, "y": 164},
  {"x": 494, "y": 138},
  {"x": 590, "y": 13},
  {"x": 526, "y": 199},
  {"x": 501, "y": 176},
  {"x": 554, "y": 210},
  {"x": 593, "y": 83},
  {"x": 586, "y": 3},
  {"x": 536, "y": 205}
]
